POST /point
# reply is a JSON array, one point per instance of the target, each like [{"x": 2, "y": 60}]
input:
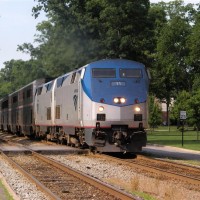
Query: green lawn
[
  {"x": 173, "y": 137},
  {"x": 4, "y": 194}
]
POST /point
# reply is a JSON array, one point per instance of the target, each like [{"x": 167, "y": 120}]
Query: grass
[
  {"x": 132, "y": 187},
  {"x": 144, "y": 196},
  {"x": 148, "y": 188},
  {"x": 6, "y": 193},
  {"x": 135, "y": 189},
  {"x": 171, "y": 136}
]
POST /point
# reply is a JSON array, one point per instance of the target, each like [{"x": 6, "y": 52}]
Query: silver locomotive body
[{"x": 102, "y": 105}]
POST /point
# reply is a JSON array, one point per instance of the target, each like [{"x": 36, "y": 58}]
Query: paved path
[{"x": 172, "y": 152}]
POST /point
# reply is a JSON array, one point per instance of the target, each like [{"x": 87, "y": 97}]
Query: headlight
[
  {"x": 122, "y": 100},
  {"x": 137, "y": 109},
  {"x": 101, "y": 108},
  {"x": 116, "y": 100},
  {"x": 119, "y": 100}
]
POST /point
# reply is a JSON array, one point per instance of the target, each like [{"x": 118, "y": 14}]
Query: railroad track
[
  {"x": 158, "y": 169},
  {"x": 172, "y": 167},
  {"x": 57, "y": 180},
  {"x": 173, "y": 170}
]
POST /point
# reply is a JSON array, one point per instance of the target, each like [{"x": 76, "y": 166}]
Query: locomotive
[{"x": 102, "y": 105}]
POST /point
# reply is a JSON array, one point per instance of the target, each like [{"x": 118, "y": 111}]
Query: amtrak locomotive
[{"x": 102, "y": 105}]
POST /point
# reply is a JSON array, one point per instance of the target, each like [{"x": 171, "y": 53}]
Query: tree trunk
[
  {"x": 198, "y": 128},
  {"x": 168, "y": 114}
]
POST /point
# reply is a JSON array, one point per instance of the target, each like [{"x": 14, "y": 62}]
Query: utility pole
[{"x": 182, "y": 119}]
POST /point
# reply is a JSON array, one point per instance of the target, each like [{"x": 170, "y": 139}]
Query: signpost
[{"x": 183, "y": 117}]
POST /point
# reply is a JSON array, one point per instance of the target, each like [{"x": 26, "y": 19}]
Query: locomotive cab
[{"x": 115, "y": 105}]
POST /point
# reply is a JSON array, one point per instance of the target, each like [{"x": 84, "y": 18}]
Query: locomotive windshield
[
  {"x": 103, "y": 73},
  {"x": 130, "y": 73}
]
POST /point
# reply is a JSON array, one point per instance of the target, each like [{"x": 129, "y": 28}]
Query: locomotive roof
[{"x": 98, "y": 63}]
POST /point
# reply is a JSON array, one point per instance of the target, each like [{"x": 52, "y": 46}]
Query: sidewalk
[{"x": 172, "y": 152}]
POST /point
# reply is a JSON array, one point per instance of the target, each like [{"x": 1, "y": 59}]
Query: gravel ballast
[
  {"x": 116, "y": 174},
  {"x": 127, "y": 178},
  {"x": 19, "y": 184}
]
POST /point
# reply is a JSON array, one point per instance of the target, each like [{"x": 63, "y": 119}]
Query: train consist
[{"x": 102, "y": 105}]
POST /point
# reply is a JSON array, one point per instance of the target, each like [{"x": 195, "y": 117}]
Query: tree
[
  {"x": 79, "y": 32},
  {"x": 6, "y": 79},
  {"x": 194, "y": 104},
  {"x": 154, "y": 112},
  {"x": 18, "y": 73},
  {"x": 181, "y": 104},
  {"x": 171, "y": 69},
  {"x": 189, "y": 102},
  {"x": 157, "y": 18},
  {"x": 194, "y": 45},
  {"x": 196, "y": 82}
]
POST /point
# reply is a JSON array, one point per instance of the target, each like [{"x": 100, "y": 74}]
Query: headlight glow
[
  {"x": 101, "y": 108},
  {"x": 119, "y": 100},
  {"x": 137, "y": 109},
  {"x": 116, "y": 100},
  {"x": 122, "y": 100}
]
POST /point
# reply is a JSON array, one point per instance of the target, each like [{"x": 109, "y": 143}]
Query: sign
[{"x": 183, "y": 115}]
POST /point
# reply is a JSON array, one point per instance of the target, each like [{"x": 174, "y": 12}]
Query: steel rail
[
  {"x": 185, "y": 166},
  {"x": 194, "y": 181},
  {"x": 41, "y": 187},
  {"x": 96, "y": 183},
  {"x": 92, "y": 181}
]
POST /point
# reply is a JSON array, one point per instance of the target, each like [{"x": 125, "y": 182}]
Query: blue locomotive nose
[{"x": 115, "y": 82}]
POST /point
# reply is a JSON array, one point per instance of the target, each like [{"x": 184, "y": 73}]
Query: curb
[{"x": 175, "y": 148}]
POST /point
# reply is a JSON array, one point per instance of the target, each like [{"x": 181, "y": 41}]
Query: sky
[{"x": 18, "y": 26}]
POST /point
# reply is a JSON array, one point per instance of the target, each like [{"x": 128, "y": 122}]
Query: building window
[
  {"x": 4, "y": 104},
  {"x": 58, "y": 112},
  {"x": 49, "y": 86},
  {"x": 15, "y": 99},
  {"x": 28, "y": 93},
  {"x": 60, "y": 81},
  {"x": 103, "y": 73},
  {"x": 130, "y": 73},
  {"x": 39, "y": 91},
  {"x": 73, "y": 77},
  {"x": 49, "y": 113}
]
